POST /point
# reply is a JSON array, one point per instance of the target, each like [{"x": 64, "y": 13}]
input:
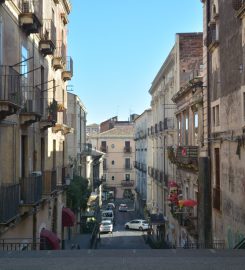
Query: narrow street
[{"x": 121, "y": 238}]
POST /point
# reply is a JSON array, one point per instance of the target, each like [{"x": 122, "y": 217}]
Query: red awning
[
  {"x": 49, "y": 240},
  {"x": 68, "y": 217}
]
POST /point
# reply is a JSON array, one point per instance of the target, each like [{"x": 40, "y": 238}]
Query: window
[
  {"x": 113, "y": 146},
  {"x": 112, "y": 162},
  {"x": 113, "y": 178},
  {"x": 127, "y": 177},
  {"x": 24, "y": 64},
  {"x": 186, "y": 128},
  {"x": 179, "y": 129},
  {"x": 215, "y": 118},
  {"x": 127, "y": 163},
  {"x": 195, "y": 128}
]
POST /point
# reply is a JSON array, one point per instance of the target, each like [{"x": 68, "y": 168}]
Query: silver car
[
  {"x": 106, "y": 226},
  {"x": 137, "y": 224}
]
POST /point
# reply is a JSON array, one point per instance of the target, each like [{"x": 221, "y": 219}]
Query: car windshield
[{"x": 106, "y": 222}]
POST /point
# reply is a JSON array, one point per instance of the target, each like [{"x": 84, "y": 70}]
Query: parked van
[{"x": 107, "y": 215}]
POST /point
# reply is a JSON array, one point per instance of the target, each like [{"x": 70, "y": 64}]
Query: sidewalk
[{"x": 79, "y": 241}]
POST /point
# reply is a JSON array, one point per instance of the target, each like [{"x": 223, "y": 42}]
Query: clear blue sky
[{"x": 118, "y": 46}]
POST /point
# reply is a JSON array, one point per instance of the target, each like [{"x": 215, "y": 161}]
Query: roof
[{"x": 119, "y": 131}]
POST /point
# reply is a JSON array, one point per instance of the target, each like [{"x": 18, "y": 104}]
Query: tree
[{"x": 78, "y": 193}]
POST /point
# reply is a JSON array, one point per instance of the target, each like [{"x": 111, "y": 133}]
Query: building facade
[
  {"x": 143, "y": 185},
  {"x": 117, "y": 142},
  {"x": 182, "y": 63},
  {"x": 33, "y": 125},
  {"x": 78, "y": 149},
  {"x": 224, "y": 55}
]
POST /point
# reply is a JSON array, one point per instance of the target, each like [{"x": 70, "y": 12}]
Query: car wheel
[
  {"x": 127, "y": 227},
  {"x": 140, "y": 228}
]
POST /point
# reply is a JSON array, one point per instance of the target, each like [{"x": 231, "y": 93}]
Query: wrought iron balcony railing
[
  {"x": 127, "y": 183},
  {"x": 9, "y": 202},
  {"x": 10, "y": 91},
  {"x": 127, "y": 149},
  {"x": 48, "y": 37},
  {"x": 30, "y": 16},
  {"x": 31, "y": 189},
  {"x": 68, "y": 69},
  {"x": 184, "y": 156}
]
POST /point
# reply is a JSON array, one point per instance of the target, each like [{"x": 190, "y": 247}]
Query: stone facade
[
  {"x": 224, "y": 36},
  {"x": 33, "y": 120},
  {"x": 142, "y": 154}
]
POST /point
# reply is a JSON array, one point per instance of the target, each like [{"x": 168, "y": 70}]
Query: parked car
[
  {"x": 106, "y": 226},
  {"x": 123, "y": 207},
  {"x": 107, "y": 215},
  {"x": 137, "y": 224},
  {"x": 110, "y": 206}
]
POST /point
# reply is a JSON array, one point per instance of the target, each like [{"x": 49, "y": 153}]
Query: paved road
[
  {"x": 121, "y": 238},
  {"x": 124, "y": 260}
]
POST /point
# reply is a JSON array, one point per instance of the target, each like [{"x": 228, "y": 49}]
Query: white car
[
  {"x": 106, "y": 226},
  {"x": 137, "y": 224},
  {"x": 123, "y": 207}
]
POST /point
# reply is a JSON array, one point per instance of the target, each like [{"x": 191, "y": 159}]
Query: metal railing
[
  {"x": 31, "y": 100},
  {"x": 9, "y": 202},
  {"x": 31, "y": 189},
  {"x": 69, "y": 65},
  {"x": 127, "y": 149},
  {"x": 48, "y": 31},
  {"x": 10, "y": 85},
  {"x": 127, "y": 183}
]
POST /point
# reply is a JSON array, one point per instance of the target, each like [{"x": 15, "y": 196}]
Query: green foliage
[{"x": 78, "y": 193}]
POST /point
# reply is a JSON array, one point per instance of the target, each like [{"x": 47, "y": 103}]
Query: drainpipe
[{"x": 204, "y": 174}]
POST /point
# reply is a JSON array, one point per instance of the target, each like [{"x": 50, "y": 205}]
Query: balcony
[
  {"x": 168, "y": 123},
  {"x": 31, "y": 189},
  {"x": 50, "y": 118},
  {"x": 9, "y": 202},
  {"x": 104, "y": 148},
  {"x": 127, "y": 183},
  {"x": 48, "y": 38},
  {"x": 68, "y": 70},
  {"x": 31, "y": 106},
  {"x": 49, "y": 182},
  {"x": 187, "y": 220},
  {"x": 217, "y": 198},
  {"x": 212, "y": 40},
  {"x": 185, "y": 157},
  {"x": 59, "y": 59},
  {"x": 127, "y": 149},
  {"x": 10, "y": 91},
  {"x": 127, "y": 167},
  {"x": 28, "y": 18}
]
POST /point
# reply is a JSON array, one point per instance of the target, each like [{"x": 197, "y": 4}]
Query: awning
[
  {"x": 49, "y": 240},
  {"x": 68, "y": 217}
]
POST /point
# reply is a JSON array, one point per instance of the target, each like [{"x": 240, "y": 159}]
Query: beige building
[
  {"x": 78, "y": 149},
  {"x": 143, "y": 152},
  {"x": 118, "y": 145},
  {"x": 180, "y": 65},
  {"x": 33, "y": 124}
]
